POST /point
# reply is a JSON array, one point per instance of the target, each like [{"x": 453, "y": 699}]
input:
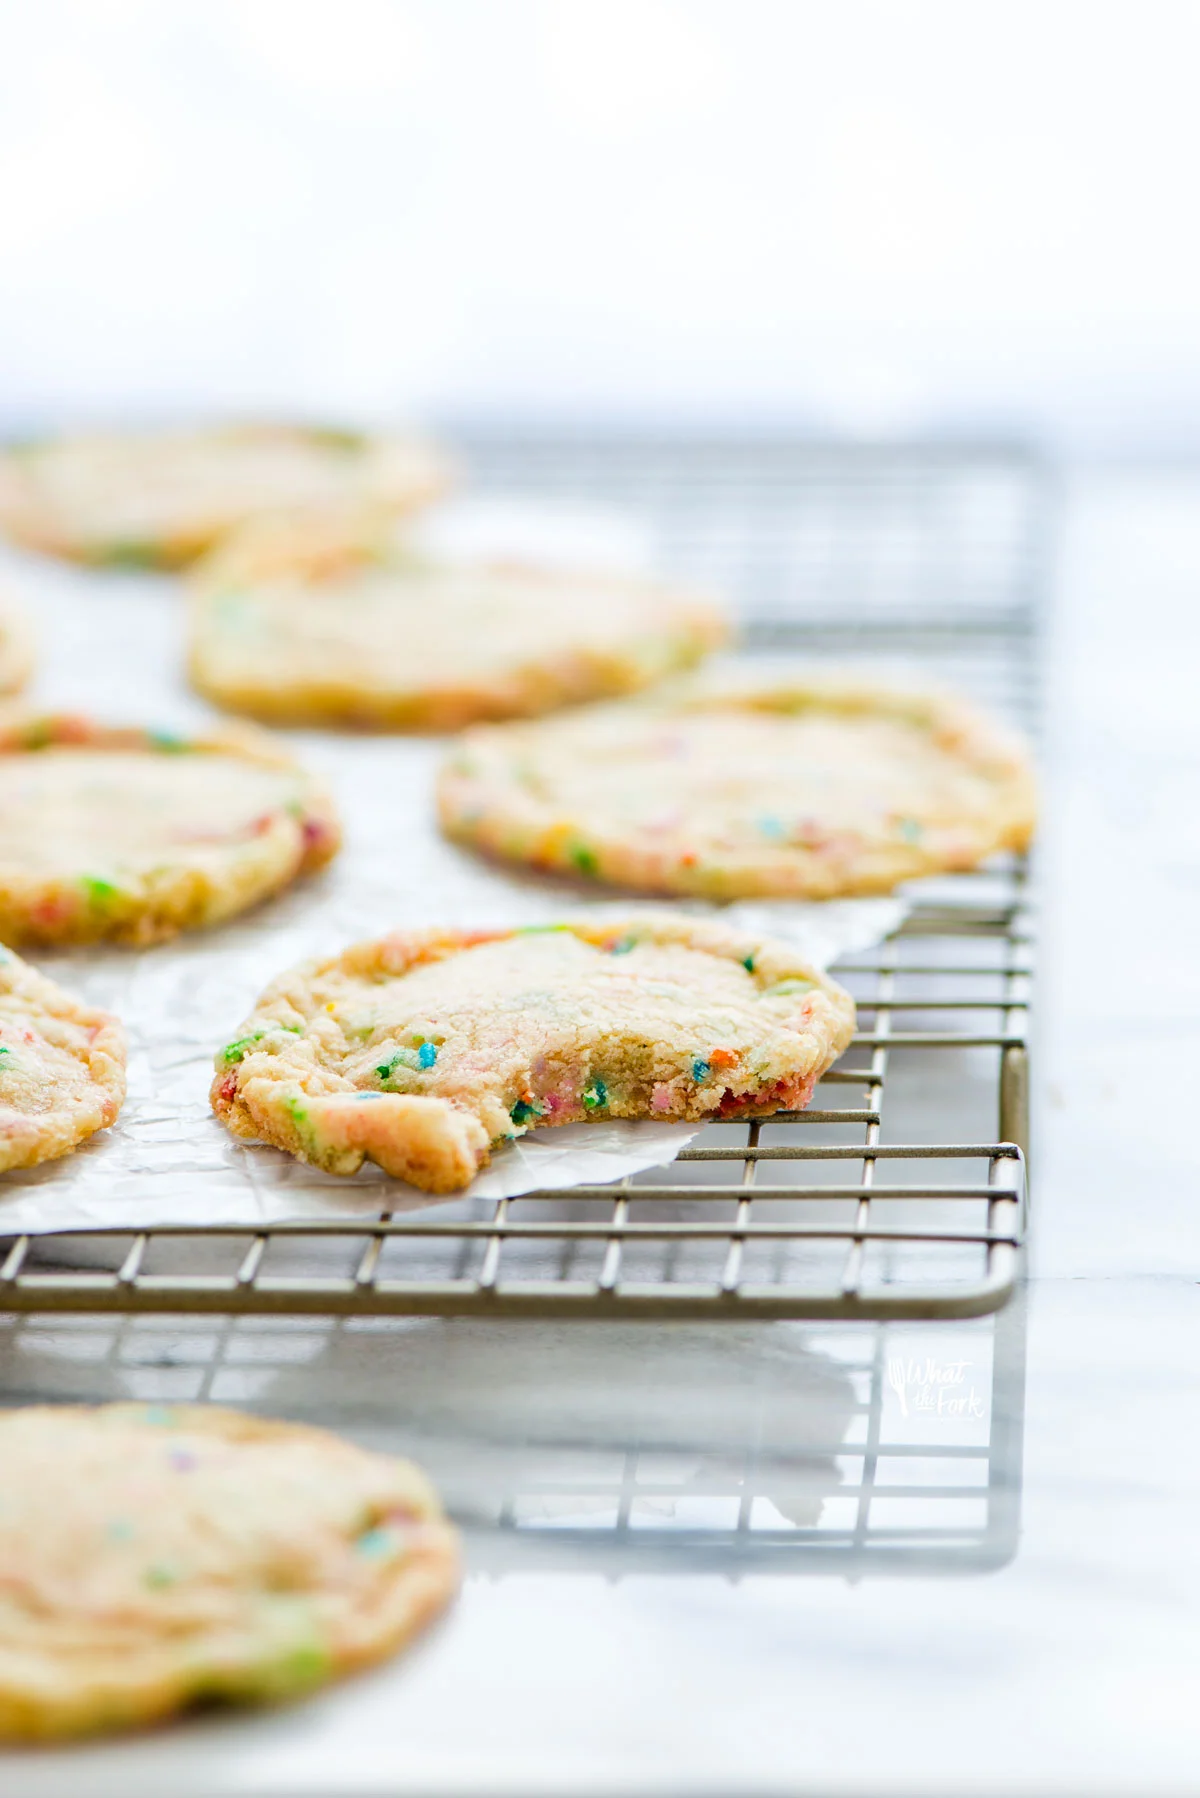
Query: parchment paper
[{"x": 112, "y": 645}]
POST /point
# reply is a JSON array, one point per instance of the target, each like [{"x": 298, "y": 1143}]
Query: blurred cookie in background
[
  {"x": 154, "y": 1557},
  {"x": 160, "y": 498},
  {"x": 130, "y": 836},
  {"x": 816, "y": 786},
  {"x": 355, "y": 626},
  {"x": 16, "y": 646}
]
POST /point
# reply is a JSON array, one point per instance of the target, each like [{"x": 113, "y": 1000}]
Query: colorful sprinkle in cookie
[
  {"x": 158, "y": 499},
  {"x": 426, "y": 1050},
  {"x": 822, "y": 787},
  {"x": 131, "y": 836},
  {"x": 16, "y": 648},
  {"x": 152, "y": 1558},
  {"x": 316, "y": 623},
  {"x": 62, "y": 1070}
]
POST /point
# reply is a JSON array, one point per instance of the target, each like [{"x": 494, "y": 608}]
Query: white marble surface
[{"x": 1072, "y": 1664}]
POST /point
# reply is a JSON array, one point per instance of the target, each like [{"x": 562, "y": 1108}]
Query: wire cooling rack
[
  {"x": 784, "y": 1448},
  {"x": 900, "y": 1193}
]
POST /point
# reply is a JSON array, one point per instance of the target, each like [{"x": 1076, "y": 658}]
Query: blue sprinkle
[
  {"x": 374, "y": 1542},
  {"x": 700, "y": 1069},
  {"x": 427, "y": 1054},
  {"x": 771, "y": 827}
]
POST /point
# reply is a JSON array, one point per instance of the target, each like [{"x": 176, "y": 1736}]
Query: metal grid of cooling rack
[{"x": 900, "y": 1193}]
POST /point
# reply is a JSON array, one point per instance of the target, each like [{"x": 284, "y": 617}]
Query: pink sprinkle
[{"x": 660, "y": 1098}]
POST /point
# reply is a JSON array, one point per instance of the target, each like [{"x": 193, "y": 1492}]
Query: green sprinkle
[
  {"x": 167, "y": 741},
  {"x": 748, "y": 964},
  {"x": 129, "y": 552},
  {"x": 701, "y": 1069},
  {"x": 4, "y": 1050},
  {"x": 304, "y": 1664},
  {"x": 910, "y": 830},
  {"x": 331, "y": 437},
  {"x": 427, "y": 1054},
  {"x": 160, "y": 1415},
  {"x": 623, "y": 945},
  {"x": 120, "y": 1530},
  {"x": 38, "y": 735},
  {"x": 522, "y": 1111},
  {"x": 403, "y": 1058},
  {"x": 595, "y": 1095},
  {"x": 235, "y": 1051},
  {"x": 100, "y": 893},
  {"x": 784, "y": 989},
  {"x": 583, "y": 858},
  {"x": 157, "y": 1578}
]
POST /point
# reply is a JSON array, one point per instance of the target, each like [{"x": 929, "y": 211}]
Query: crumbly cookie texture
[
  {"x": 158, "y": 499},
  {"x": 425, "y": 1050},
  {"x": 132, "y": 835},
  {"x": 154, "y": 1557},
  {"x": 62, "y": 1069},
  {"x": 821, "y": 787},
  {"x": 321, "y": 622},
  {"x": 16, "y": 647}
]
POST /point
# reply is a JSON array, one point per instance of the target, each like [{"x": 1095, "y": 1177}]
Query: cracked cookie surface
[{"x": 62, "y": 1067}]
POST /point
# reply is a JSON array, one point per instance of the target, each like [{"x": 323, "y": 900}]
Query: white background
[{"x": 859, "y": 214}]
